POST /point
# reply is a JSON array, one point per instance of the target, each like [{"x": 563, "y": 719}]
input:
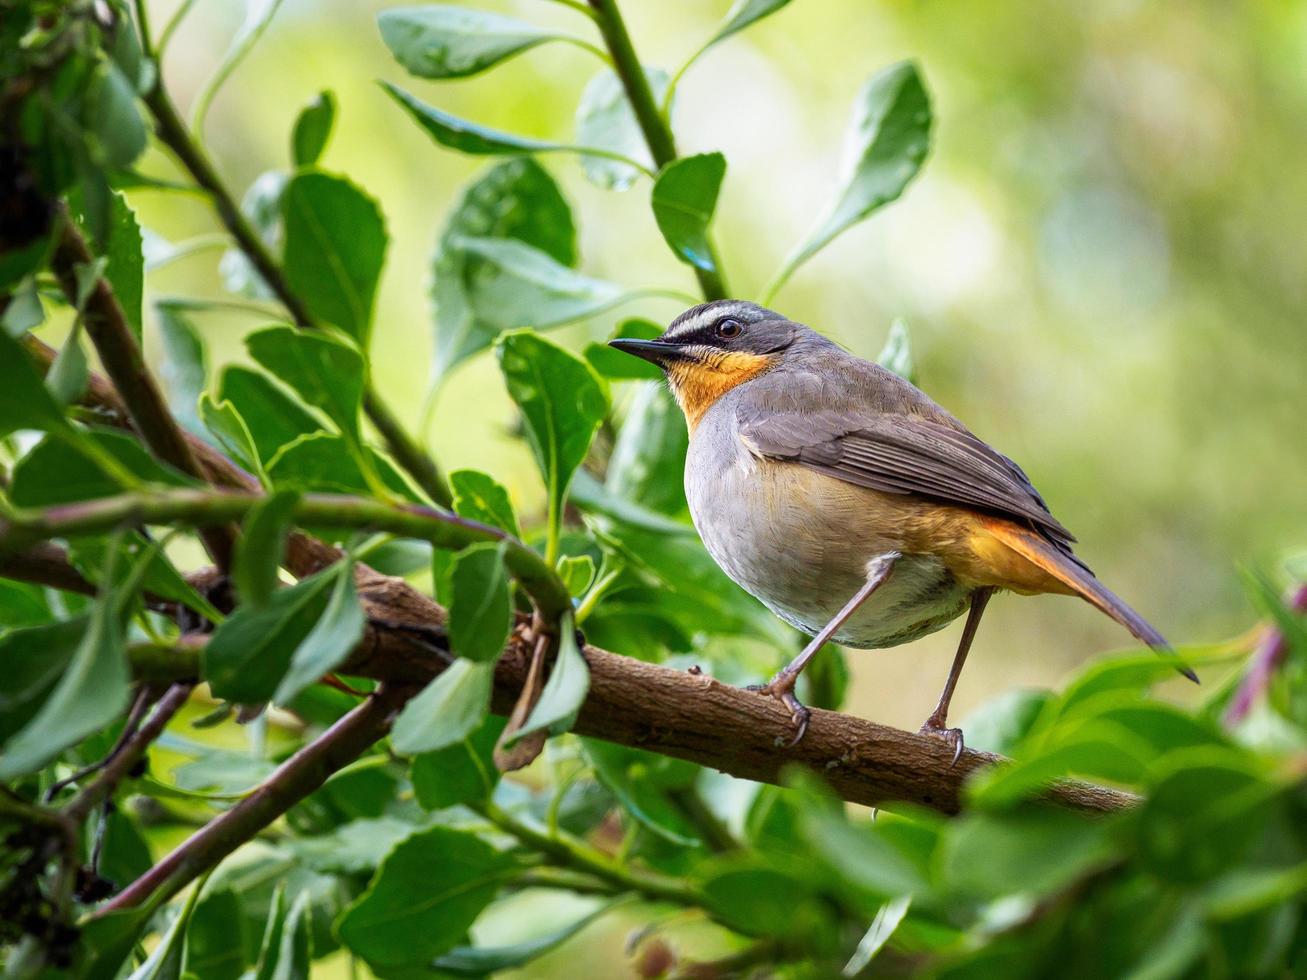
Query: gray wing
[{"x": 906, "y": 454}]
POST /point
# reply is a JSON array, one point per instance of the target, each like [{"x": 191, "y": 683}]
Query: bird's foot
[
  {"x": 952, "y": 736},
  {"x": 781, "y": 687}
]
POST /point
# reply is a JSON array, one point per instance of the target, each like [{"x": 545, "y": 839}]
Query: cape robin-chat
[{"x": 847, "y": 501}]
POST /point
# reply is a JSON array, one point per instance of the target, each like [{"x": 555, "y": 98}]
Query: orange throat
[{"x": 698, "y": 384}]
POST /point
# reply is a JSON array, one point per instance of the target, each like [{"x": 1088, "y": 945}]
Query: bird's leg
[
  {"x": 781, "y": 687},
  {"x": 937, "y": 723}
]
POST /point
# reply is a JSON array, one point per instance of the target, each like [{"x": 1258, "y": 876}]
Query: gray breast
[{"x": 799, "y": 541}]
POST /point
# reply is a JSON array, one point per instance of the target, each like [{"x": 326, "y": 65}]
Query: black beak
[{"x": 656, "y": 351}]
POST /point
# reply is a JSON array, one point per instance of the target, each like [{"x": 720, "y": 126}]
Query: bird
[{"x": 848, "y": 502}]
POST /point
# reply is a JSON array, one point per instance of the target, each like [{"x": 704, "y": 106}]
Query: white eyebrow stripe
[{"x": 705, "y": 317}]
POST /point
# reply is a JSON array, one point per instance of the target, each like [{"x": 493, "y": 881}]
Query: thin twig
[
  {"x": 295, "y": 779},
  {"x": 125, "y": 757}
]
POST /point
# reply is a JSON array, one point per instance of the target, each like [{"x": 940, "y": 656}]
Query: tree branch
[
  {"x": 173, "y": 133},
  {"x": 122, "y": 358}
]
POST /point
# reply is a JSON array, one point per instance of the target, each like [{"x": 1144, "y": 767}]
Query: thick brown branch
[
  {"x": 45, "y": 564},
  {"x": 123, "y": 360}
]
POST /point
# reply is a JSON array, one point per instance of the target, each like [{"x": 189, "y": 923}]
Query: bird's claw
[
  {"x": 952, "y": 737},
  {"x": 782, "y": 689}
]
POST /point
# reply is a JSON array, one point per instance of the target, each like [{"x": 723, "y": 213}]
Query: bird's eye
[{"x": 728, "y": 328}]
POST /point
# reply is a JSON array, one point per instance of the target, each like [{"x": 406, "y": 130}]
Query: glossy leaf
[
  {"x": 745, "y": 13},
  {"x": 112, "y": 115},
  {"x": 479, "y": 497},
  {"x": 648, "y": 459},
  {"x": 34, "y": 658},
  {"x": 335, "y": 248},
  {"x": 287, "y": 947},
  {"x": 520, "y": 286},
  {"x": 225, "y": 424},
  {"x": 125, "y": 265},
  {"x": 881, "y": 930},
  {"x": 896, "y": 355},
  {"x": 28, "y": 404},
  {"x": 324, "y": 372},
  {"x": 515, "y": 199},
  {"x": 91, "y": 692},
  {"x": 69, "y": 374},
  {"x": 466, "y": 137},
  {"x": 461, "y": 773},
  {"x": 312, "y": 130},
  {"x": 273, "y": 418},
  {"x": 576, "y": 573},
  {"x": 887, "y": 142},
  {"x": 252, "y": 649},
  {"x": 165, "y": 960},
  {"x": 424, "y": 897},
  {"x": 260, "y": 548},
  {"x": 216, "y": 939},
  {"x": 448, "y": 709},
  {"x": 330, "y": 641},
  {"x": 562, "y": 404},
  {"x": 439, "y": 40},
  {"x": 604, "y": 119},
  {"x": 480, "y": 607},
  {"x": 684, "y": 198},
  {"x": 642, "y": 783},
  {"x": 322, "y": 462}
]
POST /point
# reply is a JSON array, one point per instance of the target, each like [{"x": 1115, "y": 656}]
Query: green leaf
[
  {"x": 258, "y": 15},
  {"x": 615, "y": 365},
  {"x": 215, "y": 942},
  {"x": 321, "y": 462},
  {"x": 165, "y": 960},
  {"x": 562, "y": 404},
  {"x": 312, "y": 130},
  {"x": 55, "y": 473},
  {"x": 330, "y": 641},
  {"x": 447, "y": 711},
  {"x": 514, "y": 199},
  {"x": 112, "y": 117},
  {"x": 335, "y": 247},
  {"x": 424, "y": 897},
  {"x": 642, "y": 782},
  {"x": 745, "y": 13},
  {"x": 684, "y": 197},
  {"x": 252, "y": 649},
  {"x": 478, "y": 497},
  {"x": 604, "y": 119},
  {"x": 23, "y": 604},
  {"x": 34, "y": 658},
  {"x": 466, "y": 137},
  {"x": 461, "y": 773},
  {"x": 1000, "y": 723},
  {"x": 260, "y": 548},
  {"x": 28, "y": 404},
  {"x": 272, "y": 416},
  {"x": 68, "y": 375},
  {"x": 482, "y": 961},
  {"x": 565, "y": 691},
  {"x": 887, "y": 141},
  {"x": 224, "y": 423},
  {"x": 125, "y": 269},
  {"x": 480, "y": 607},
  {"x": 286, "y": 953},
  {"x": 518, "y": 285},
  {"x": 25, "y": 311},
  {"x": 92, "y": 691},
  {"x": 184, "y": 370},
  {"x": 896, "y": 355},
  {"x": 442, "y": 41},
  {"x": 648, "y": 458},
  {"x": 881, "y": 930},
  {"x": 576, "y": 572},
  {"x": 324, "y": 372}
]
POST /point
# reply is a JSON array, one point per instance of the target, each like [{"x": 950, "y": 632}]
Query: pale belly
[{"x": 800, "y": 542}]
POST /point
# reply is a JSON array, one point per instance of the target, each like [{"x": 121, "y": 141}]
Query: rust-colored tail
[{"x": 1076, "y": 576}]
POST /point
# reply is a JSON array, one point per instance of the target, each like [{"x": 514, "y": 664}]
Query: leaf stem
[
  {"x": 657, "y": 132},
  {"x": 204, "y": 508}
]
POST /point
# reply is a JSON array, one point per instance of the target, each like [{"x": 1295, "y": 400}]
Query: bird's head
[{"x": 711, "y": 348}]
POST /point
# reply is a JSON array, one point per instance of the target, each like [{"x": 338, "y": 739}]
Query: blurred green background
[{"x": 1101, "y": 264}]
